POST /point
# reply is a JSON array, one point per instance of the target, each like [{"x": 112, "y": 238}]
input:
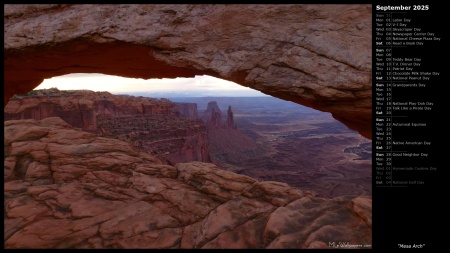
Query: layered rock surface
[
  {"x": 171, "y": 139},
  {"x": 80, "y": 108},
  {"x": 228, "y": 147},
  {"x": 212, "y": 116},
  {"x": 171, "y": 131},
  {"x": 65, "y": 188},
  {"x": 188, "y": 110},
  {"x": 314, "y": 55},
  {"x": 230, "y": 118}
]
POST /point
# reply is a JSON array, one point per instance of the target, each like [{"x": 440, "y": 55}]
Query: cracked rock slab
[{"x": 151, "y": 206}]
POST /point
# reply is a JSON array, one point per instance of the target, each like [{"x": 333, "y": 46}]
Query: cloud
[
  {"x": 77, "y": 75},
  {"x": 200, "y": 85}
]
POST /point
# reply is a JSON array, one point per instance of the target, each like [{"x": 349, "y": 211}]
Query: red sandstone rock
[
  {"x": 188, "y": 110},
  {"x": 211, "y": 107},
  {"x": 102, "y": 193},
  {"x": 80, "y": 108},
  {"x": 227, "y": 145},
  {"x": 314, "y": 55},
  {"x": 230, "y": 119},
  {"x": 171, "y": 131},
  {"x": 213, "y": 115},
  {"x": 284, "y": 231}
]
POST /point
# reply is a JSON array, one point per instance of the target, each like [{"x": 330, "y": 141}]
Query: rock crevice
[{"x": 116, "y": 197}]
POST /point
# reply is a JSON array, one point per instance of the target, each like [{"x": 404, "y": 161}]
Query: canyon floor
[
  {"x": 289, "y": 143},
  {"x": 69, "y": 188}
]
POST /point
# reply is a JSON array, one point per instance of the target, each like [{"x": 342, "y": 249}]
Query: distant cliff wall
[
  {"x": 317, "y": 55},
  {"x": 170, "y": 131}
]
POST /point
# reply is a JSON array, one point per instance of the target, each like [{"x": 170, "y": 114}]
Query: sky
[{"x": 200, "y": 86}]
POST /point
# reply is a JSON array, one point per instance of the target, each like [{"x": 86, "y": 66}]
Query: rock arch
[{"x": 315, "y": 55}]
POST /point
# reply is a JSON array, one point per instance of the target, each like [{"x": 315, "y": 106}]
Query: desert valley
[
  {"x": 264, "y": 138},
  {"x": 277, "y": 140},
  {"x": 101, "y": 170},
  {"x": 261, "y": 137}
]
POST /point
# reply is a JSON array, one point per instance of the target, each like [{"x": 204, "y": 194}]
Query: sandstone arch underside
[{"x": 315, "y": 55}]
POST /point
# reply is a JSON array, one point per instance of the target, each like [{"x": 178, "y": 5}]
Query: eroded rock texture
[
  {"x": 213, "y": 115},
  {"x": 315, "y": 55},
  {"x": 230, "y": 119},
  {"x": 173, "y": 132},
  {"x": 80, "y": 108},
  {"x": 66, "y": 188},
  {"x": 188, "y": 110}
]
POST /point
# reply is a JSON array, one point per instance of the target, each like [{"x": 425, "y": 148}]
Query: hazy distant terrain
[
  {"x": 275, "y": 140},
  {"x": 297, "y": 145}
]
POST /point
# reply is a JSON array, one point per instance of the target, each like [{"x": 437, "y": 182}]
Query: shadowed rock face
[
  {"x": 80, "y": 108},
  {"x": 65, "y": 188},
  {"x": 213, "y": 115},
  {"x": 314, "y": 55},
  {"x": 188, "y": 110},
  {"x": 226, "y": 142},
  {"x": 230, "y": 119},
  {"x": 171, "y": 131}
]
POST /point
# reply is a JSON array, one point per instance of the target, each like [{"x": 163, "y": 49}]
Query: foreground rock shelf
[{"x": 65, "y": 188}]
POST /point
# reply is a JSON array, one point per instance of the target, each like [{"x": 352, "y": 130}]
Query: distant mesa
[
  {"x": 173, "y": 132},
  {"x": 318, "y": 67},
  {"x": 106, "y": 187},
  {"x": 226, "y": 142},
  {"x": 213, "y": 117},
  {"x": 188, "y": 110},
  {"x": 215, "y": 121}
]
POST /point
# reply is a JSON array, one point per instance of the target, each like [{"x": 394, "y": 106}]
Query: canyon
[
  {"x": 173, "y": 132},
  {"x": 281, "y": 141},
  {"x": 118, "y": 124},
  {"x": 315, "y": 55},
  {"x": 275, "y": 141},
  {"x": 83, "y": 173},
  {"x": 67, "y": 188}
]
